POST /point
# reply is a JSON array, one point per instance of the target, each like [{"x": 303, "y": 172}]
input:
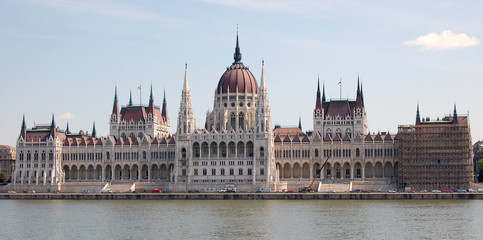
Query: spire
[
  {"x": 67, "y": 131},
  {"x": 300, "y": 123},
  {"x": 237, "y": 56},
  {"x": 318, "y": 103},
  {"x": 362, "y": 94},
  {"x": 358, "y": 89},
  {"x": 115, "y": 106},
  {"x": 418, "y": 118},
  {"x": 130, "y": 98},
  {"x": 23, "y": 130},
  {"x": 151, "y": 99},
  {"x": 52, "y": 128},
  {"x": 263, "y": 85},
  {"x": 186, "y": 85},
  {"x": 94, "y": 129},
  {"x": 52, "y": 124},
  {"x": 455, "y": 115},
  {"x": 164, "y": 112}
]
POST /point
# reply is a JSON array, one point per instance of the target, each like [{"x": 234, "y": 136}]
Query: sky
[{"x": 66, "y": 57}]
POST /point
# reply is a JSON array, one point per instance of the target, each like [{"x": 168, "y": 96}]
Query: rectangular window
[
  {"x": 249, "y": 171},
  {"x": 262, "y": 171},
  {"x": 240, "y": 171}
]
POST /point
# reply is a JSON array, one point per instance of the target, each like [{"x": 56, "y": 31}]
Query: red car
[
  {"x": 157, "y": 191},
  {"x": 411, "y": 191},
  {"x": 447, "y": 191},
  {"x": 290, "y": 191}
]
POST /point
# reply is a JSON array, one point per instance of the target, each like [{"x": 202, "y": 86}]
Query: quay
[{"x": 240, "y": 196}]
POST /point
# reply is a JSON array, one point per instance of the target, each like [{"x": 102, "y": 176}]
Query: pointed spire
[
  {"x": 318, "y": 102},
  {"x": 130, "y": 98},
  {"x": 67, "y": 131},
  {"x": 300, "y": 123},
  {"x": 23, "y": 130},
  {"x": 262, "y": 81},
  {"x": 52, "y": 124},
  {"x": 362, "y": 94},
  {"x": 237, "y": 56},
  {"x": 151, "y": 99},
  {"x": 115, "y": 106},
  {"x": 94, "y": 129},
  {"x": 186, "y": 86},
  {"x": 455, "y": 115},
  {"x": 164, "y": 112},
  {"x": 358, "y": 87},
  {"x": 418, "y": 117}
]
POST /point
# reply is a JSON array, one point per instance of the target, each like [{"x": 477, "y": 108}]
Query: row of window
[
  {"x": 389, "y": 152},
  {"x": 43, "y": 156},
  {"x": 231, "y": 172},
  {"x": 222, "y": 163},
  {"x": 119, "y": 156},
  {"x": 36, "y": 165}
]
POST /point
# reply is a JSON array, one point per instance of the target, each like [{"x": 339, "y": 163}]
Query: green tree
[
  {"x": 480, "y": 167},
  {"x": 3, "y": 177}
]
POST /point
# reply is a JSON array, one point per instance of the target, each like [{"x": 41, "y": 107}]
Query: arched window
[
  {"x": 183, "y": 153},
  {"x": 316, "y": 152},
  {"x": 132, "y": 135},
  {"x": 123, "y": 136},
  {"x": 358, "y": 152},
  {"x": 328, "y": 131},
  {"x": 233, "y": 120},
  {"x": 262, "y": 152},
  {"x": 222, "y": 171},
  {"x": 348, "y": 132},
  {"x": 205, "y": 172},
  {"x": 36, "y": 156},
  {"x": 241, "y": 121},
  {"x": 213, "y": 171},
  {"x": 29, "y": 156},
  {"x": 43, "y": 156},
  {"x": 51, "y": 155},
  {"x": 108, "y": 156},
  {"x": 144, "y": 155},
  {"x": 20, "y": 156},
  {"x": 196, "y": 172},
  {"x": 338, "y": 131},
  {"x": 140, "y": 135}
]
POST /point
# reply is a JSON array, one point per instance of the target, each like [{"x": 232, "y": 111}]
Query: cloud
[
  {"x": 100, "y": 7},
  {"x": 67, "y": 116},
  {"x": 445, "y": 40}
]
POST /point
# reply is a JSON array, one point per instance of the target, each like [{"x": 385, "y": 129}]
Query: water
[{"x": 241, "y": 219}]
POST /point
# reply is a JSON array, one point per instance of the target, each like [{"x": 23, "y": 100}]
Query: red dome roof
[{"x": 237, "y": 76}]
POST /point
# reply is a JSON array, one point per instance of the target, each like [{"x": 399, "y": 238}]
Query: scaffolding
[{"x": 435, "y": 155}]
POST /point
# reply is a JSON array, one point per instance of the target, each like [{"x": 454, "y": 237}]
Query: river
[{"x": 241, "y": 219}]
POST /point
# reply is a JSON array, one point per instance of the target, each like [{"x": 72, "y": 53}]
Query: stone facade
[{"x": 7, "y": 159}]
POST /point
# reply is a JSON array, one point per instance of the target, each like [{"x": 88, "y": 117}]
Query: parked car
[
  {"x": 11, "y": 192},
  {"x": 355, "y": 190},
  {"x": 480, "y": 189},
  {"x": 157, "y": 190},
  {"x": 221, "y": 190},
  {"x": 85, "y": 191},
  {"x": 447, "y": 191},
  {"x": 331, "y": 191},
  {"x": 423, "y": 191},
  {"x": 471, "y": 190},
  {"x": 366, "y": 191},
  {"x": 436, "y": 191},
  {"x": 106, "y": 190},
  {"x": 290, "y": 191},
  {"x": 391, "y": 191},
  {"x": 411, "y": 191},
  {"x": 460, "y": 190}
]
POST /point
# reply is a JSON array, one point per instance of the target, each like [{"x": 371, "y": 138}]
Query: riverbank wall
[{"x": 240, "y": 196}]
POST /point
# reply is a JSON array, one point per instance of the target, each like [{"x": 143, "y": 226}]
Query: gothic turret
[
  {"x": 151, "y": 102},
  {"x": 418, "y": 117},
  {"x": 53, "y": 131},
  {"x": 455, "y": 115},
  {"x": 263, "y": 117},
  {"x": 23, "y": 130},
  {"x": 94, "y": 129},
  {"x": 130, "y": 98},
  {"x": 318, "y": 101},
  {"x": 164, "y": 111},
  {"x": 115, "y": 106},
  {"x": 186, "y": 119}
]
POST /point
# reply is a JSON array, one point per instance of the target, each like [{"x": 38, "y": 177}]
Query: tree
[
  {"x": 3, "y": 177},
  {"x": 480, "y": 167}
]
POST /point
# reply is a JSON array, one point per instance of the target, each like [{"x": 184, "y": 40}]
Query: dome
[{"x": 237, "y": 76}]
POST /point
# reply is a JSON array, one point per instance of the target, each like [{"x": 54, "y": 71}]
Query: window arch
[
  {"x": 358, "y": 152},
  {"x": 51, "y": 155},
  {"x": 316, "y": 152},
  {"x": 233, "y": 120},
  {"x": 348, "y": 132},
  {"x": 338, "y": 131},
  {"x": 241, "y": 121},
  {"x": 43, "y": 156},
  {"x": 262, "y": 152},
  {"x": 329, "y": 131}
]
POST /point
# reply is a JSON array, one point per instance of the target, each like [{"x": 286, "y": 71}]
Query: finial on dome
[{"x": 237, "y": 56}]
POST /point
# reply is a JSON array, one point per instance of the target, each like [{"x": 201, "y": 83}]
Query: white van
[{"x": 106, "y": 190}]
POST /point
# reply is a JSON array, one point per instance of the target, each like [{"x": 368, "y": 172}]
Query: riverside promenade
[{"x": 239, "y": 196}]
